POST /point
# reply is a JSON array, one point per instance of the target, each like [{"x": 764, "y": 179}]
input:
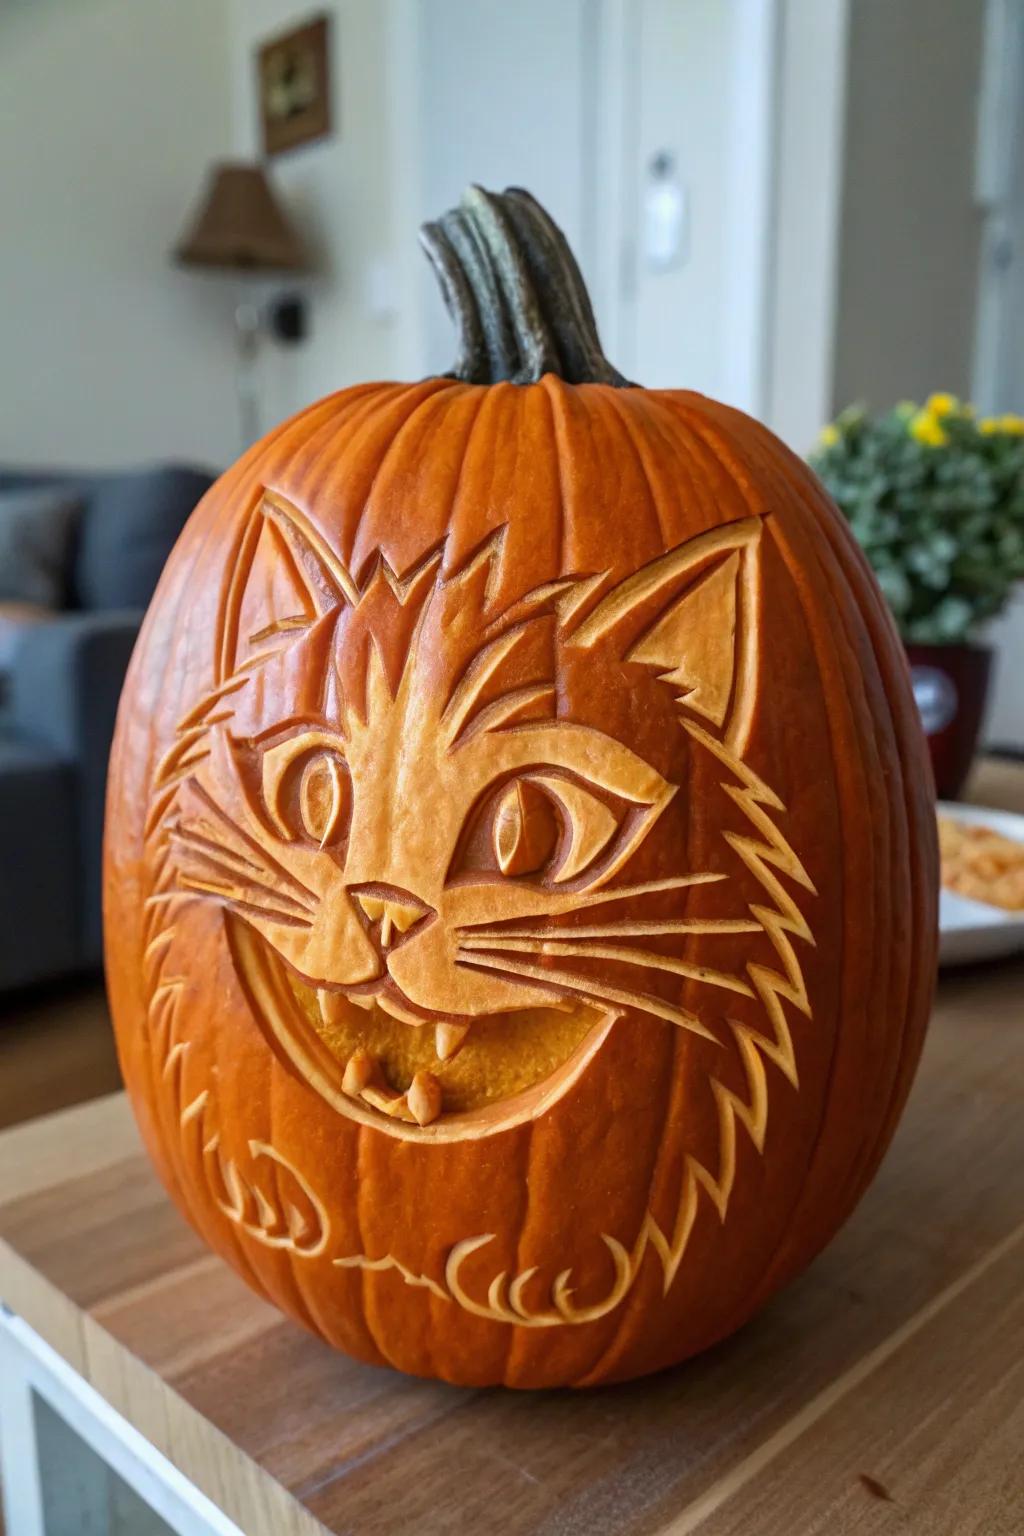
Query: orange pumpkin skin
[{"x": 681, "y": 1177}]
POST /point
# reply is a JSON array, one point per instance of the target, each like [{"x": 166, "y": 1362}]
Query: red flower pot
[{"x": 951, "y": 685}]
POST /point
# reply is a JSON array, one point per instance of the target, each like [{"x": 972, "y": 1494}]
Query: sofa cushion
[
  {"x": 14, "y": 619},
  {"x": 39, "y": 917},
  {"x": 37, "y": 527},
  {"x": 131, "y": 523}
]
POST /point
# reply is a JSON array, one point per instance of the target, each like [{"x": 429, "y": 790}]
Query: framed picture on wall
[{"x": 295, "y": 87}]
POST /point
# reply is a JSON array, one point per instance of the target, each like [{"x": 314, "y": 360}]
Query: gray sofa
[{"x": 57, "y": 715}]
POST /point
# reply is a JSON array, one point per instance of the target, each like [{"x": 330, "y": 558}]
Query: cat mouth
[{"x": 378, "y": 1058}]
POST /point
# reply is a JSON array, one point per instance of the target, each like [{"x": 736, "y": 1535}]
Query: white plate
[{"x": 972, "y": 930}]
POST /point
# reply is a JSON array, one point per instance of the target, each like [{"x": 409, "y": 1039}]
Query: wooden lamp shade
[{"x": 241, "y": 224}]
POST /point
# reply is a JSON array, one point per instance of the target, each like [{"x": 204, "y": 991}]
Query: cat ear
[
  {"x": 692, "y": 616},
  {"x": 284, "y": 578}
]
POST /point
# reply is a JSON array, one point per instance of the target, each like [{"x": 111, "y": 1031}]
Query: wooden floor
[{"x": 56, "y": 1049}]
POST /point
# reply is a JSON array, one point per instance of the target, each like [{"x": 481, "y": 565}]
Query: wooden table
[{"x": 884, "y": 1391}]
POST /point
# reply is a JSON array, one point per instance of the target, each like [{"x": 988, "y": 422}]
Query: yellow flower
[
  {"x": 928, "y": 429},
  {"x": 1012, "y": 425},
  {"x": 828, "y": 436},
  {"x": 942, "y": 404}
]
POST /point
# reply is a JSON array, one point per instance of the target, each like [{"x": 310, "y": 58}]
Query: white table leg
[
  {"x": 88, "y": 1441},
  {"x": 19, "y": 1460}
]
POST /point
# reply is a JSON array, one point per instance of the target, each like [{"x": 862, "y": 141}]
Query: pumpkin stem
[{"x": 517, "y": 297}]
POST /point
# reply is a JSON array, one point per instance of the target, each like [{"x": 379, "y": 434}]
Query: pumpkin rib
[
  {"x": 714, "y": 440},
  {"x": 234, "y": 1239},
  {"x": 310, "y": 457},
  {"x": 217, "y": 1230},
  {"x": 815, "y": 526},
  {"x": 679, "y": 416},
  {"x": 558, "y": 430},
  {"x": 525, "y": 1141},
  {"x": 173, "y": 1152},
  {"x": 367, "y": 1278},
  {"x": 421, "y": 403},
  {"x": 489, "y": 402},
  {"x": 675, "y": 432},
  {"x": 610, "y": 403},
  {"x": 633, "y": 1304},
  {"x": 912, "y": 983},
  {"x": 618, "y": 405},
  {"x": 847, "y": 650},
  {"x": 922, "y": 912},
  {"x": 845, "y": 647},
  {"x": 856, "y": 1179},
  {"x": 309, "y": 1313}
]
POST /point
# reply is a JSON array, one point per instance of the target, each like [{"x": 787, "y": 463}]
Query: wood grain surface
[{"x": 881, "y": 1392}]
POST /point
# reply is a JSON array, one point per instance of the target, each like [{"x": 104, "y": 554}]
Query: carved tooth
[
  {"x": 332, "y": 1006},
  {"x": 424, "y": 1098},
  {"x": 448, "y": 1038},
  {"x": 358, "y": 1072}
]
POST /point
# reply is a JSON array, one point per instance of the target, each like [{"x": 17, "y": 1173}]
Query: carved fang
[
  {"x": 363, "y": 1079},
  {"x": 424, "y": 1098},
  {"x": 332, "y": 1006},
  {"x": 448, "y": 1039},
  {"x": 358, "y": 1072}
]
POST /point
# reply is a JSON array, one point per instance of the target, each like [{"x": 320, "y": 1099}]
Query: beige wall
[
  {"x": 340, "y": 194},
  {"x": 109, "y": 113},
  {"x": 909, "y": 232}
]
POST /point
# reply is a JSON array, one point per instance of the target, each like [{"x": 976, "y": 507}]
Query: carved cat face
[{"x": 425, "y": 859}]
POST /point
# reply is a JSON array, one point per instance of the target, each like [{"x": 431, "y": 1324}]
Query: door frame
[{"x": 998, "y": 178}]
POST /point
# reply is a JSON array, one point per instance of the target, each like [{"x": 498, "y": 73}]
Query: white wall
[
  {"x": 339, "y": 192},
  {"x": 109, "y": 114}
]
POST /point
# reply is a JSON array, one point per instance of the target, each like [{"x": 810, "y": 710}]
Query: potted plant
[{"x": 935, "y": 496}]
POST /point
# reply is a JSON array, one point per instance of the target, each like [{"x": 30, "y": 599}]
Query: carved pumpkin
[{"x": 521, "y": 876}]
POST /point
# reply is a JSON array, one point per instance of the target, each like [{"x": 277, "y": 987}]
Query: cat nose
[{"x": 395, "y": 910}]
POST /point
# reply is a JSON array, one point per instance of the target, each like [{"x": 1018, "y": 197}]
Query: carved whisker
[
  {"x": 267, "y": 864},
  {"x": 207, "y": 830},
  {"x": 239, "y": 903},
  {"x": 226, "y": 861},
  {"x": 618, "y": 930},
  {"x": 208, "y": 700},
  {"x": 244, "y": 885},
  {"x": 587, "y": 987},
  {"x": 645, "y": 888},
  {"x": 629, "y": 956}
]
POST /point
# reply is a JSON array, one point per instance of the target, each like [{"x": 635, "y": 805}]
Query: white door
[
  {"x": 704, "y": 137},
  {"x": 504, "y": 99},
  {"x": 577, "y": 100}
]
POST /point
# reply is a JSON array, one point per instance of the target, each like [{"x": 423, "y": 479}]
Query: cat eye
[
  {"x": 307, "y": 789},
  {"x": 323, "y": 797},
  {"x": 540, "y": 824}
]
